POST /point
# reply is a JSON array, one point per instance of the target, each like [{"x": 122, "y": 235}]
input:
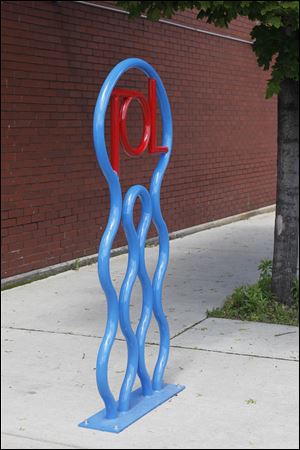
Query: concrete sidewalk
[{"x": 241, "y": 378}]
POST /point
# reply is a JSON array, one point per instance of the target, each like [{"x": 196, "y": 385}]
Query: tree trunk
[{"x": 285, "y": 258}]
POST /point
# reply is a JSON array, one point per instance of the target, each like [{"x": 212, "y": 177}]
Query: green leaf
[
  {"x": 273, "y": 87},
  {"x": 275, "y": 29},
  {"x": 275, "y": 22}
]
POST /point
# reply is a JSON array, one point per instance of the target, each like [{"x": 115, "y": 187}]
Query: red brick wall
[{"x": 54, "y": 60}]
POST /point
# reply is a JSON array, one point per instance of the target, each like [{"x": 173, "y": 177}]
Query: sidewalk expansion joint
[
  {"x": 182, "y": 347},
  {"x": 249, "y": 355},
  {"x": 44, "y": 441},
  {"x": 188, "y": 328}
]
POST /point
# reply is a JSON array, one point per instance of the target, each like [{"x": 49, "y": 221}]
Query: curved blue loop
[
  {"x": 157, "y": 284},
  {"x": 135, "y": 344},
  {"x": 163, "y": 257},
  {"x": 147, "y": 298},
  {"x": 114, "y": 222}
]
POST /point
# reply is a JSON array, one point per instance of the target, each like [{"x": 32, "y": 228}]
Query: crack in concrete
[
  {"x": 70, "y": 333},
  {"x": 188, "y": 328},
  {"x": 67, "y": 333},
  {"x": 44, "y": 441},
  {"x": 249, "y": 355},
  {"x": 283, "y": 334},
  {"x": 275, "y": 358}
]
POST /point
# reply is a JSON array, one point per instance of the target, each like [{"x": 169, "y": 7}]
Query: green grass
[{"x": 257, "y": 303}]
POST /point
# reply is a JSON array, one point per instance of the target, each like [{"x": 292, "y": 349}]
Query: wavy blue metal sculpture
[{"x": 130, "y": 406}]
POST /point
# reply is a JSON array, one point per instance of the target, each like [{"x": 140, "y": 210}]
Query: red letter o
[{"x": 131, "y": 151}]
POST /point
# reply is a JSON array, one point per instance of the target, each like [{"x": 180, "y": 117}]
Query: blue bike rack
[{"x": 119, "y": 414}]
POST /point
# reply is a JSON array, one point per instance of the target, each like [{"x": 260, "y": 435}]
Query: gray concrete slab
[
  {"x": 11, "y": 441},
  {"x": 204, "y": 268},
  {"x": 241, "y": 388},
  {"x": 230, "y": 401},
  {"x": 235, "y": 336}
]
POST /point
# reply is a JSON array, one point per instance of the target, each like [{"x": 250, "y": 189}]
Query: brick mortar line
[{"x": 169, "y": 22}]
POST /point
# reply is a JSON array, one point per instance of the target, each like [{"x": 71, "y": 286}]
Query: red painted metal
[
  {"x": 115, "y": 132},
  {"x": 120, "y": 101},
  {"x": 153, "y": 148},
  {"x": 131, "y": 151}
]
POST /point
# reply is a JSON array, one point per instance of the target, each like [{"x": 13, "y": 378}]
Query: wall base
[{"x": 38, "y": 274}]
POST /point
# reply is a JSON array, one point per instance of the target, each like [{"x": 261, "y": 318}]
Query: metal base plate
[{"x": 140, "y": 406}]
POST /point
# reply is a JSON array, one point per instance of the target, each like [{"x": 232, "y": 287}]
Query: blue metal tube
[
  {"x": 124, "y": 299},
  {"x": 163, "y": 235},
  {"x": 104, "y": 255},
  {"x": 109, "y": 235},
  {"x": 147, "y": 292},
  {"x": 134, "y": 343}
]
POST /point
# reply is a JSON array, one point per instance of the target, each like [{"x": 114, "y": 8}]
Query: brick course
[{"x": 54, "y": 59}]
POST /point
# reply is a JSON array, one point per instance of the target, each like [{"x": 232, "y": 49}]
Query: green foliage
[
  {"x": 295, "y": 292},
  {"x": 257, "y": 303},
  {"x": 76, "y": 265},
  {"x": 265, "y": 277},
  {"x": 275, "y": 31}
]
